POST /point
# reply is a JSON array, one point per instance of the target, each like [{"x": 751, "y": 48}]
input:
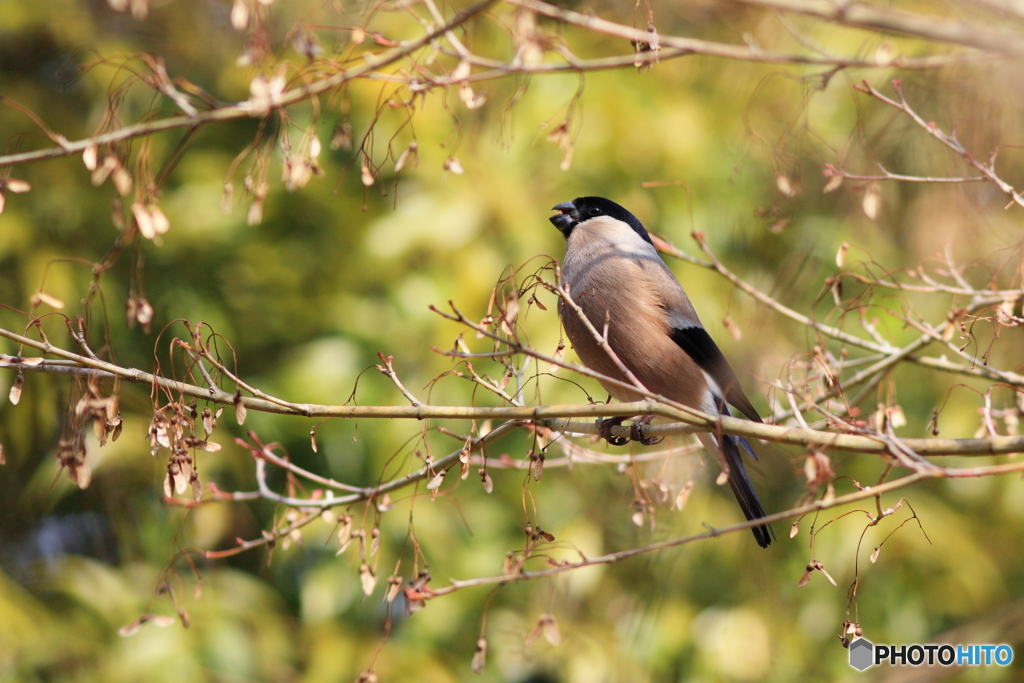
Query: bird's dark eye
[{"x": 595, "y": 210}]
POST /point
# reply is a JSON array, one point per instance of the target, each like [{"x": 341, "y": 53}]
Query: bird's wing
[
  {"x": 686, "y": 331},
  {"x": 699, "y": 345}
]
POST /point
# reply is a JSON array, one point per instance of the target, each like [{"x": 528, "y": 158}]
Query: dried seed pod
[
  {"x": 15, "y": 394},
  {"x": 240, "y": 411},
  {"x": 240, "y": 15},
  {"x": 480, "y": 656},
  {"x": 367, "y": 578},
  {"x": 872, "y": 201}
]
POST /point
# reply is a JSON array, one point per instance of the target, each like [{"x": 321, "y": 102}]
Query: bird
[{"x": 615, "y": 276}]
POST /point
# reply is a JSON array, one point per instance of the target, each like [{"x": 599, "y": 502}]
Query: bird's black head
[{"x": 582, "y": 209}]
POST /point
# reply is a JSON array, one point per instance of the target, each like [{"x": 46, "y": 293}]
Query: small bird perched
[{"x": 615, "y": 275}]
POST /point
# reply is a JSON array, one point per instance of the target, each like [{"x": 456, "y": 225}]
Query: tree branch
[{"x": 246, "y": 109}]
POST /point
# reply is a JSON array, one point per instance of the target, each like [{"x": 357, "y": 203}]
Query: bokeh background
[{"x": 337, "y": 272}]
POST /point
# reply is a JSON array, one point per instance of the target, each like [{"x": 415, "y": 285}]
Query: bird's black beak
[{"x": 567, "y": 217}]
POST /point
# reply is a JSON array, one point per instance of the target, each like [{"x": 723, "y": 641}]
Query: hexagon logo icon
[{"x": 862, "y": 653}]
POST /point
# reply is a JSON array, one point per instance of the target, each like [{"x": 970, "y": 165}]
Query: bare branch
[
  {"x": 884, "y": 18},
  {"x": 728, "y": 51},
  {"x": 949, "y": 140},
  {"x": 245, "y": 109},
  {"x": 550, "y": 416}
]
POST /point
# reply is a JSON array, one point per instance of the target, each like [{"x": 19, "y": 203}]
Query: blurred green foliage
[{"x": 337, "y": 272}]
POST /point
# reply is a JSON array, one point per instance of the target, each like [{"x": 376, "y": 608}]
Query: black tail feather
[{"x": 741, "y": 487}]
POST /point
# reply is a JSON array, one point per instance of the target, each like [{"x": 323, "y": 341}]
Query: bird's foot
[
  {"x": 604, "y": 429},
  {"x": 637, "y": 434}
]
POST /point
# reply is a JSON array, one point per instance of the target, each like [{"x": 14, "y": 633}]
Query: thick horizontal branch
[{"x": 552, "y": 417}]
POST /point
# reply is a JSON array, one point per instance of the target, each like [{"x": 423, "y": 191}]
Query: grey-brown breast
[{"x": 619, "y": 280}]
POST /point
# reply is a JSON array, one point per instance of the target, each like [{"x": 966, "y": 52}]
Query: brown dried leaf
[
  {"x": 102, "y": 172},
  {"x": 3, "y": 456},
  {"x": 794, "y": 529},
  {"x": 454, "y": 165},
  {"x": 435, "y": 483},
  {"x": 471, "y": 99},
  {"x": 144, "y": 220},
  {"x": 786, "y": 186},
  {"x": 896, "y": 417},
  {"x": 144, "y": 313},
  {"x": 122, "y": 180},
  {"x": 550, "y": 626},
  {"x": 208, "y": 446},
  {"x": 254, "y": 216},
  {"x": 810, "y": 469},
  {"x": 394, "y": 588},
  {"x": 841, "y": 254},
  {"x": 15, "y": 394},
  {"x": 181, "y": 479},
  {"x": 240, "y": 15},
  {"x": 872, "y": 201},
  {"x": 48, "y": 299},
  {"x": 486, "y": 479},
  {"x": 240, "y": 411},
  {"x": 833, "y": 183},
  {"x": 830, "y": 494},
  {"x": 403, "y": 158},
  {"x": 461, "y": 72},
  {"x": 81, "y": 474},
  {"x": 89, "y": 157},
  {"x": 480, "y": 656},
  {"x": 133, "y": 627},
  {"x": 874, "y": 555},
  {"x": 367, "y": 579},
  {"x": 160, "y": 223},
  {"x": 683, "y": 496},
  {"x": 806, "y": 578}
]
